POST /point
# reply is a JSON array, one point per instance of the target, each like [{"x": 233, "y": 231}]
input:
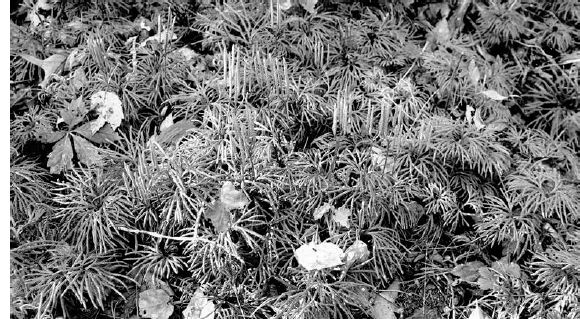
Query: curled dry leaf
[
  {"x": 199, "y": 307},
  {"x": 384, "y": 306},
  {"x": 357, "y": 252},
  {"x": 155, "y": 304},
  {"x": 319, "y": 256},
  {"x": 232, "y": 198},
  {"x": 320, "y": 211},
  {"x": 109, "y": 109},
  {"x": 341, "y": 216},
  {"x": 49, "y": 65},
  {"x": 492, "y": 94},
  {"x": 477, "y": 313}
]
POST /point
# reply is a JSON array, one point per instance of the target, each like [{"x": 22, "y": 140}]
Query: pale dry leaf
[
  {"x": 319, "y": 256},
  {"x": 341, "y": 216},
  {"x": 167, "y": 122},
  {"x": 165, "y": 35},
  {"x": 468, "y": 272},
  {"x": 109, "y": 109},
  {"x": 308, "y": 5},
  {"x": 492, "y": 94},
  {"x": 474, "y": 74},
  {"x": 79, "y": 79},
  {"x": 199, "y": 307},
  {"x": 477, "y": 313},
  {"x": 61, "y": 156},
  {"x": 320, "y": 211},
  {"x": 441, "y": 32},
  {"x": 384, "y": 306},
  {"x": 285, "y": 4},
  {"x": 232, "y": 198},
  {"x": 220, "y": 216},
  {"x": 49, "y": 65},
  {"x": 357, "y": 252},
  {"x": 477, "y": 121},
  {"x": 155, "y": 304}
]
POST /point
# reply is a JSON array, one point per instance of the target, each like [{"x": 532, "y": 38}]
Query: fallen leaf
[
  {"x": 477, "y": 313},
  {"x": 165, "y": 35},
  {"x": 109, "y": 109},
  {"x": 474, "y": 74},
  {"x": 357, "y": 252},
  {"x": 319, "y": 256},
  {"x": 79, "y": 79},
  {"x": 320, "y": 211},
  {"x": 492, "y": 94},
  {"x": 167, "y": 122},
  {"x": 469, "y": 271},
  {"x": 487, "y": 278},
  {"x": 220, "y": 216},
  {"x": 384, "y": 306},
  {"x": 341, "y": 216},
  {"x": 285, "y": 4},
  {"x": 232, "y": 198},
  {"x": 155, "y": 304},
  {"x": 308, "y": 5},
  {"x": 477, "y": 120},
  {"x": 104, "y": 135},
  {"x": 61, "y": 156},
  {"x": 49, "y": 65},
  {"x": 87, "y": 153},
  {"x": 441, "y": 32},
  {"x": 199, "y": 307},
  {"x": 175, "y": 132}
]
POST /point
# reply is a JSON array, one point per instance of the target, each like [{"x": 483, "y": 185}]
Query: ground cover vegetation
[{"x": 295, "y": 159}]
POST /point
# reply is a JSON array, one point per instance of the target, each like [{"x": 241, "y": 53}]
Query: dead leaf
[
  {"x": 285, "y": 4},
  {"x": 474, "y": 74},
  {"x": 384, "y": 306},
  {"x": 220, "y": 216},
  {"x": 175, "y": 132},
  {"x": 469, "y": 271},
  {"x": 155, "y": 304},
  {"x": 492, "y": 94},
  {"x": 441, "y": 32},
  {"x": 477, "y": 120},
  {"x": 341, "y": 216},
  {"x": 167, "y": 122},
  {"x": 199, "y": 307},
  {"x": 79, "y": 79},
  {"x": 232, "y": 198},
  {"x": 308, "y": 5},
  {"x": 61, "y": 156},
  {"x": 477, "y": 313},
  {"x": 109, "y": 108},
  {"x": 357, "y": 252},
  {"x": 165, "y": 35},
  {"x": 319, "y": 256},
  {"x": 49, "y": 65},
  {"x": 87, "y": 153},
  {"x": 320, "y": 211}
]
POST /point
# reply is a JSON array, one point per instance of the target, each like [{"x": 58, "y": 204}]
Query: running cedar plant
[{"x": 295, "y": 159}]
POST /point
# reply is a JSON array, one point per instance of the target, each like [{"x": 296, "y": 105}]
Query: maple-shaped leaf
[
  {"x": 220, "y": 216},
  {"x": 74, "y": 113},
  {"x": 87, "y": 153},
  {"x": 61, "y": 156},
  {"x": 199, "y": 307},
  {"x": 313, "y": 256},
  {"x": 232, "y": 198},
  {"x": 341, "y": 216},
  {"x": 155, "y": 304},
  {"x": 49, "y": 65},
  {"x": 109, "y": 109},
  {"x": 49, "y": 136},
  {"x": 104, "y": 135}
]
